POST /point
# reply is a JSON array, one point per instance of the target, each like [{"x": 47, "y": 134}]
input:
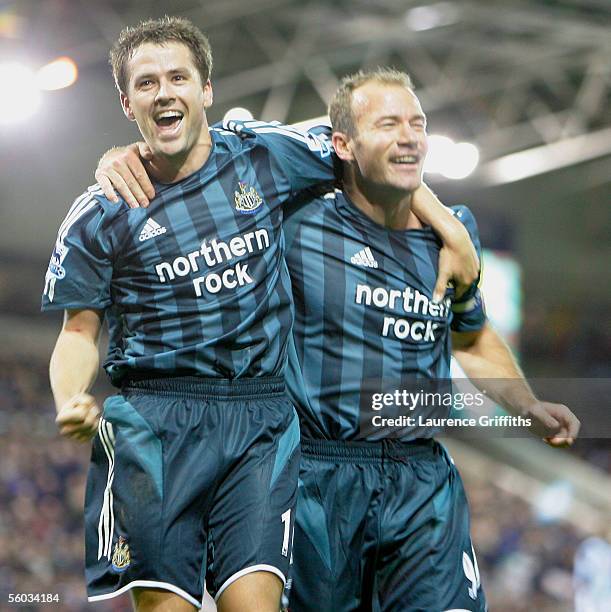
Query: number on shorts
[{"x": 286, "y": 519}]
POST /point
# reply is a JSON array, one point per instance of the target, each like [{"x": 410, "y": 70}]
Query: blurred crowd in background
[
  {"x": 525, "y": 564},
  {"x": 557, "y": 340}
]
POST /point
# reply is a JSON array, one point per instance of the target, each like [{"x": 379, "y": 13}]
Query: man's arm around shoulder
[
  {"x": 73, "y": 370},
  {"x": 458, "y": 260}
]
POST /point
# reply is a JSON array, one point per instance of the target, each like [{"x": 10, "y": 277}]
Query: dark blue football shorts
[
  {"x": 192, "y": 482},
  {"x": 382, "y": 527}
]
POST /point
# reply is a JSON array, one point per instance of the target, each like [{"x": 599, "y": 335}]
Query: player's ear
[
  {"x": 208, "y": 96},
  {"x": 343, "y": 146},
  {"x": 126, "y": 106}
]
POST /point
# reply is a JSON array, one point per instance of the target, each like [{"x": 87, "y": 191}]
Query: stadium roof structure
[{"x": 509, "y": 75}]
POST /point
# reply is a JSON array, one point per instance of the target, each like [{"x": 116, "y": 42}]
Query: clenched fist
[
  {"x": 554, "y": 422},
  {"x": 78, "y": 418}
]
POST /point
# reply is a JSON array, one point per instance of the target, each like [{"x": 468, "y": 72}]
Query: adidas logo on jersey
[
  {"x": 150, "y": 230},
  {"x": 364, "y": 258}
]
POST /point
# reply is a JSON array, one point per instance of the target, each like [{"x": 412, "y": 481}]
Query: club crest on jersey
[
  {"x": 247, "y": 200},
  {"x": 120, "y": 556}
]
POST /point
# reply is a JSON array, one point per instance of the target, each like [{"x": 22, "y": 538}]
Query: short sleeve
[
  {"x": 468, "y": 312},
  {"x": 80, "y": 268},
  {"x": 306, "y": 158}
]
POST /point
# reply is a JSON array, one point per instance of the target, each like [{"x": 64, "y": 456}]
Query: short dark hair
[
  {"x": 160, "y": 31},
  {"x": 340, "y": 108}
]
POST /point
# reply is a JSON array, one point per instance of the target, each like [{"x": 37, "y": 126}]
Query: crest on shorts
[
  {"x": 247, "y": 200},
  {"x": 120, "y": 555}
]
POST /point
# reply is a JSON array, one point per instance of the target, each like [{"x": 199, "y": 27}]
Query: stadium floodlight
[
  {"x": 439, "y": 156},
  {"x": 58, "y": 74},
  {"x": 432, "y": 16},
  {"x": 238, "y": 113},
  {"x": 450, "y": 159},
  {"x": 20, "y": 97},
  {"x": 465, "y": 157}
]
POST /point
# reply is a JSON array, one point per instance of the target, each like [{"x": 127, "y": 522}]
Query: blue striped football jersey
[
  {"x": 365, "y": 322},
  {"x": 195, "y": 284}
]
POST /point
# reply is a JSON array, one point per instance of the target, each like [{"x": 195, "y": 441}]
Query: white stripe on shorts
[{"x": 106, "y": 525}]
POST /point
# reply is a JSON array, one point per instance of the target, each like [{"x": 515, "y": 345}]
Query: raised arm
[
  {"x": 488, "y": 361},
  {"x": 305, "y": 159},
  {"x": 458, "y": 259},
  {"x": 73, "y": 370}
]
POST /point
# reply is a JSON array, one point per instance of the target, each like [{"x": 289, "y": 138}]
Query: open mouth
[
  {"x": 168, "y": 121},
  {"x": 406, "y": 160}
]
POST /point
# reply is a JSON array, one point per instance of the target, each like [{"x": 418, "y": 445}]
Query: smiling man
[
  {"x": 382, "y": 518},
  {"x": 194, "y": 468}
]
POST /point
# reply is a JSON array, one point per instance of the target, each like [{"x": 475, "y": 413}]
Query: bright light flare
[
  {"x": 439, "y": 155},
  {"x": 422, "y": 18},
  {"x": 450, "y": 159},
  {"x": 20, "y": 97},
  {"x": 465, "y": 158},
  {"x": 238, "y": 113},
  {"x": 60, "y": 73}
]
